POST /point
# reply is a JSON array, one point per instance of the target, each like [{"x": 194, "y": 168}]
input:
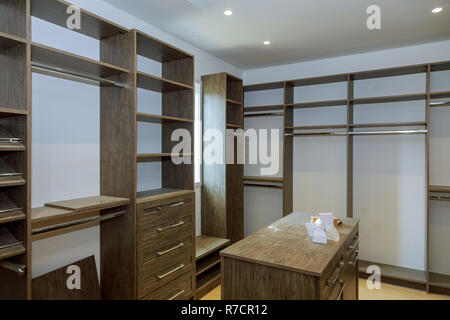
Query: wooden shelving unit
[
  {"x": 222, "y": 189},
  {"x": 350, "y": 130},
  {"x": 208, "y": 273}
]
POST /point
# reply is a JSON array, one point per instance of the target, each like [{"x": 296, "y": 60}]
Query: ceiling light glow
[
  {"x": 228, "y": 12},
  {"x": 267, "y": 43},
  {"x": 437, "y": 10}
]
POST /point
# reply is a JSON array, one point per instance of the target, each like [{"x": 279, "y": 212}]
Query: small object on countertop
[
  {"x": 320, "y": 236},
  {"x": 327, "y": 219},
  {"x": 337, "y": 222}
]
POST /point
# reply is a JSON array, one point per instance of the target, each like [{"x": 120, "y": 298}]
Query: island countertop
[{"x": 287, "y": 245}]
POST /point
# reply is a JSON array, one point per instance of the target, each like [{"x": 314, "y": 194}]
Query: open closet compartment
[
  {"x": 397, "y": 103},
  {"x": 222, "y": 189},
  {"x": 15, "y": 246}
]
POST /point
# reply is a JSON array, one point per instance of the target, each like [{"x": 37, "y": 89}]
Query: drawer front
[
  {"x": 181, "y": 288},
  {"x": 154, "y": 210},
  {"x": 337, "y": 274},
  {"x": 164, "y": 269}
]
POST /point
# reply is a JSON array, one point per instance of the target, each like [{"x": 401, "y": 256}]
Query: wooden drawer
[
  {"x": 181, "y": 288},
  {"x": 162, "y": 270},
  {"x": 338, "y": 271},
  {"x": 152, "y": 211}
]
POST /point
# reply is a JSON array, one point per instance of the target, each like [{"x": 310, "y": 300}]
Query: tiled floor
[{"x": 387, "y": 292}]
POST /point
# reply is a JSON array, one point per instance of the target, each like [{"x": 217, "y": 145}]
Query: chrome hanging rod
[
  {"x": 440, "y": 104},
  {"x": 254, "y": 185},
  {"x": 78, "y": 222},
  {"x": 366, "y": 133},
  {"x": 76, "y": 75},
  {"x": 14, "y": 266}
]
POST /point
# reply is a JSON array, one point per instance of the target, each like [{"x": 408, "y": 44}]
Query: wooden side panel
[
  {"x": 117, "y": 175},
  {"x": 214, "y": 175},
  {"x": 288, "y": 156},
  {"x": 427, "y": 174},
  {"x": 179, "y": 70},
  {"x": 350, "y": 146},
  {"x": 53, "y": 286},
  {"x": 13, "y": 77},
  {"x": 248, "y": 281},
  {"x": 13, "y": 17}
]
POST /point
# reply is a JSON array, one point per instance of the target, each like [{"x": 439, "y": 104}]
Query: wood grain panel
[
  {"x": 288, "y": 152},
  {"x": 13, "y": 17}
]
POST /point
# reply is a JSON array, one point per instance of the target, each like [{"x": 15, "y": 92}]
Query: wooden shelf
[
  {"x": 208, "y": 280},
  {"x": 155, "y": 157},
  {"x": 153, "y": 118},
  {"x": 8, "y": 177},
  {"x": 264, "y": 179},
  {"x": 153, "y": 83},
  {"x": 394, "y": 124},
  {"x": 206, "y": 245},
  {"x": 264, "y": 86},
  {"x": 8, "y": 210},
  {"x": 10, "y": 143},
  {"x": 157, "y": 194},
  {"x": 318, "y": 104},
  {"x": 234, "y": 126},
  {"x": 387, "y": 99},
  {"x": 13, "y": 247},
  {"x": 440, "y": 280},
  {"x": 233, "y": 102},
  {"x": 390, "y": 72},
  {"x": 439, "y": 189},
  {"x": 55, "y": 11},
  {"x": 319, "y": 80},
  {"x": 154, "y": 49},
  {"x": 71, "y": 62},
  {"x": 207, "y": 263},
  {"x": 332, "y": 126},
  {"x": 440, "y": 95},
  {"x": 12, "y": 216},
  {"x": 389, "y": 272},
  {"x": 11, "y": 112},
  {"x": 279, "y": 107},
  {"x": 7, "y": 41},
  {"x": 90, "y": 203}
]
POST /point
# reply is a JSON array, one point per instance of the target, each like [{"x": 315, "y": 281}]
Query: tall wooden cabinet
[
  {"x": 223, "y": 188},
  {"x": 148, "y": 247}
]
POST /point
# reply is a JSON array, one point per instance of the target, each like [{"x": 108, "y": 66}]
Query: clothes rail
[
  {"x": 75, "y": 75},
  {"x": 14, "y": 266},
  {"x": 268, "y": 114},
  {"x": 78, "y": 222},
  {"x": 315, "y": 134},
  {"x": 440, "y": 104},
  {"x": 367, "y": 133},
  {"x": 440, "y": 198},
  {"x": 262, "y": 186}
]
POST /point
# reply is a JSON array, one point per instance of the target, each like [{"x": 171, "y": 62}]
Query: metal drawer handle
[
  {"x": 354, "y": 245},
  {"x": 355, "y": 261},
  {"x": 337, "y": 275},
  {"x": 179, "y": 204},
  {"x": 179, "y": 224},
  {"x": 177, "y": 295},
  {"x": 160, "y": 277},
  {"x": 343, "y": 285},
  {"x": 161, "y": 253}
]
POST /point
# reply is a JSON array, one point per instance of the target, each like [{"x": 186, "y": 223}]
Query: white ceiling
[{"x": 298, "y": 29}]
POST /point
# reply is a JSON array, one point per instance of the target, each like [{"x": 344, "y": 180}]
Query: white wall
[
  {"x": 65, "y": 162},
  {"x": 389, "y": 170}
]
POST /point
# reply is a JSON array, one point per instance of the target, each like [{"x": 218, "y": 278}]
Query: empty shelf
[
  {"x": 90, "y": 203},
  {"x": 264, "y": 179},
  {"x": 55, "y": 11},
  {"x": 154, "y": 49},
  {"x": 8, "y": 177},
  {"x": 10, "y": 143},
  {"x": 387, "y": 99},
  {"x": 153, "y": 118},
  {"x": 9, "y": 212},
  {"x": 439, "y": 189},
  {"x": 206, "y": 245},
  {"x": 11, "y": 112},
  {"x": 207, "y": 263},
  {"x": 278, "y": 107},
  {"x": 234, "y": 126},
  {"x": 380, "y": 125},
  {"x": 390, "y": 72},
  {"x": 153, "y": 83},
  {"x": 65, "y": 60},
  {"x": 162, "y": 193},
  {"x": 9, "y": 246},
  {"x": 48, "y": 216},
  {"x": 8, "y": 41},
  {"x": 440, "y": 95},
  {"x": 396, "y": 273},
  {"x": 154, "y": 157},
  {"x": 318, "y": 104},
  {"x": 234, "y": 102},
  {"x": 264, "y": 86},
  {"x": 208, "y": 280},
  {"x": 319, "y": 80}
]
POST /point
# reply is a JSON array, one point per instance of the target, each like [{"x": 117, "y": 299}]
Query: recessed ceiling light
[
  {"x": 437, "y": 10},
  {"x": 267, "y": 43},
  {"x": 228, "y": 12}
]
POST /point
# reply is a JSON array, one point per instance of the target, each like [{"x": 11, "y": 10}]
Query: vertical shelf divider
[
  {"x": 350, "y": 145},
  {"x": 288, "y": 149}
]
